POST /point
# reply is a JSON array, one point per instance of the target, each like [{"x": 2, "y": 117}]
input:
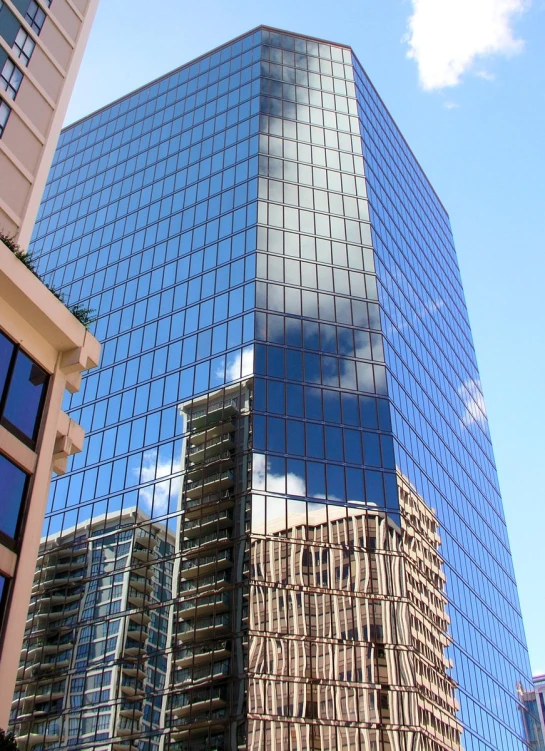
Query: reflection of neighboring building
[
  {"x": 93, "y": 667},
  {"x": 348, "y": 629},
  {"x": 206, "y": 693},
  {"x": 534, "y": 718}
]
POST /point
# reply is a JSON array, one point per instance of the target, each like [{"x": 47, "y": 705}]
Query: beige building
[
  {"x": 43, "y": 347},
  {"x": 41, "y": 46},
  {"x": 43, "y": 350}
]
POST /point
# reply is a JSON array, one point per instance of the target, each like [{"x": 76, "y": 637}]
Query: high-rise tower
[{"x": 289, "y": 379}]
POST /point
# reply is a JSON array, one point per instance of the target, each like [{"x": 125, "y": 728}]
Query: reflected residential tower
[{"x": 289, "y": 383}]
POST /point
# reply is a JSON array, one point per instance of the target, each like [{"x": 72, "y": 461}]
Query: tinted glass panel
[
  {"x": 6, "y": 352},
  {"x": 12, "y": 493},
  {"x": 25, "y": 398}
]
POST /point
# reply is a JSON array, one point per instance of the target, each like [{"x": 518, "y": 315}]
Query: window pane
[
  {"x": 6, "y": 352},
  {"x": 12, "y": 484},
  {"x": 24, "y": 400}
]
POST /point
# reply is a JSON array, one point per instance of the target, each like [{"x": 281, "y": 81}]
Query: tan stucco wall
[
  {"x": 31, "y": 134},
  {"x": 49, "y": 333}
]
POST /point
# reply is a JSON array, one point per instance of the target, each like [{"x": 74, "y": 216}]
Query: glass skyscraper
[{"x": 289, "y": 390}]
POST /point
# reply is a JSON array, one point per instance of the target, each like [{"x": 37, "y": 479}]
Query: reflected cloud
[
  {"x": 157, "y": 497},
  {"x": 472, "y": 398}
]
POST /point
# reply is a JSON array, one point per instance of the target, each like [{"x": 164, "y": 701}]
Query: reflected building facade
[
  {"x": 93, "y": 666},
  {"x": 289, "y": 385}
]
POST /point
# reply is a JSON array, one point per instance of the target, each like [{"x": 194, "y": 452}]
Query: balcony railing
[
  {"x": 198, "y": 542},
  {"x": 223, "y": 557},
  {"x": 205, "y": 623},
  {"x": 221, "y": 600}
]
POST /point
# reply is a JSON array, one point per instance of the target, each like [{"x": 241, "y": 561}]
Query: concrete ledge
[{"x": 25, "y": 293}]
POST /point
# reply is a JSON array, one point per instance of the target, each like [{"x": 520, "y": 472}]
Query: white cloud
[
  {"x": 159, "y": 497},
  {"x": 474, "y": 409},
  {"x": 451, "y": 105},
  {"x": 446, "y": 37}
]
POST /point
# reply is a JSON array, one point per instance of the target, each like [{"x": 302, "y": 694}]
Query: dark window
[
  {"x": 4, "y": 114},
  {"x": 23, "y": 46},
  {"x": 35, "y": 16},
  {"x": 10, "y": 78},
  {"x": 23, "y": 385},
  {"x": 13, "y": 483}
]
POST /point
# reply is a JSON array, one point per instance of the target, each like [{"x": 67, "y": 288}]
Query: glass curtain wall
[{"x": 294, "y": 411}]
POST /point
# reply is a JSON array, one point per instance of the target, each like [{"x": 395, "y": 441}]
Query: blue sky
[{"x": 470, "y": 103}]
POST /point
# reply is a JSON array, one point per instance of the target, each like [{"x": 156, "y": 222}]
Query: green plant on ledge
[
  {"x": 84, "y": 315},
  {"x": 7, "y": 741}
]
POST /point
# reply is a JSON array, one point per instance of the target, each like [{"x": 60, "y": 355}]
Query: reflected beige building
[
  {"x": 41, "y": 46},
  {"x": 302, "y": 625},
  {"x": 348, "y": 629}
]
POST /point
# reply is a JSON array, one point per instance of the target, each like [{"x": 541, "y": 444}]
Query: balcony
[
  {"x": 213, "y": 581},
  {"x": 137, "y": 598},
  {"x": 139, "y": 617},
  {"x": 210, "y": 484},
  {"x": 211, "y": 447},
  {"x": 141, "y": 583},
  {"x": 207, "y": 564},
  {"x": 193, "y": 507},
  {"x": 206, "y": 744},
  {"x": 205, "y": 672},
  {"x": 136, "y": 634},
  {"x": 134, "y": 647},
  {"x": 199, "y": 724},
  {"x": 197, "y": 655},
  {"x": 205, "y": 605},
  {"x": 144, "y": 536},
  {"x": 195, "y": 701},
  {"x": 130, "y": 709},
  {"x": 144, "y": 554},
  {"x": 204, "y": 628},
  {"x": 211, "y": 464},
  {"x": 127, "y": 726},
  {"x": 133, "y": 670},
  {"x": 203, "y": 524},
  {"x": 214, "y": 538},
  {"x": 212, "y": 413},
  {"x": 131, "y": 686}
]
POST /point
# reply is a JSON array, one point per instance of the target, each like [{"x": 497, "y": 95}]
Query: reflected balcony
[
  {"x": 128, "y": 726},
  {"x": 210, "y": 465},
  {"x": 212, "y": 413},
  {"x": 198, "y": 629},
  {"x": 132, "y": 686},
  {"x": 217, "y": 580},
  {"x": 137, "y": 598},
  {"x": 145, "y": 537},
  {"x": 193, "y": 507},
  {"x": 211, "y": 446},
  {"x": 199, "y": 654},
  {"x": 197, "y": 701},
  {"x": 205, "y": 605},
  {"x": 215, "y": 538},
  {"x": 219, "y": 520},
  {"x": 206, "y": 744},
  {"x": 206, "y": 565},
  {"x": 210, "y": 484},
  {"x": 205, "y": 672}
]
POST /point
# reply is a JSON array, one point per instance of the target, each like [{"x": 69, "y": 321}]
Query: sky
[{"x": 464, "y": 80}]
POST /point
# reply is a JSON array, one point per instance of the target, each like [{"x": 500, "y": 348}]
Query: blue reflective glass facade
[{"x": 288, "y": 389}]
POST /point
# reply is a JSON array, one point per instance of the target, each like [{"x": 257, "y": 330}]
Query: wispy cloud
[{"x": 447, "y": 37}]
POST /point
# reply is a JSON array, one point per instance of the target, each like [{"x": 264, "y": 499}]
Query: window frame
[{"x": 31, "y": 442}]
